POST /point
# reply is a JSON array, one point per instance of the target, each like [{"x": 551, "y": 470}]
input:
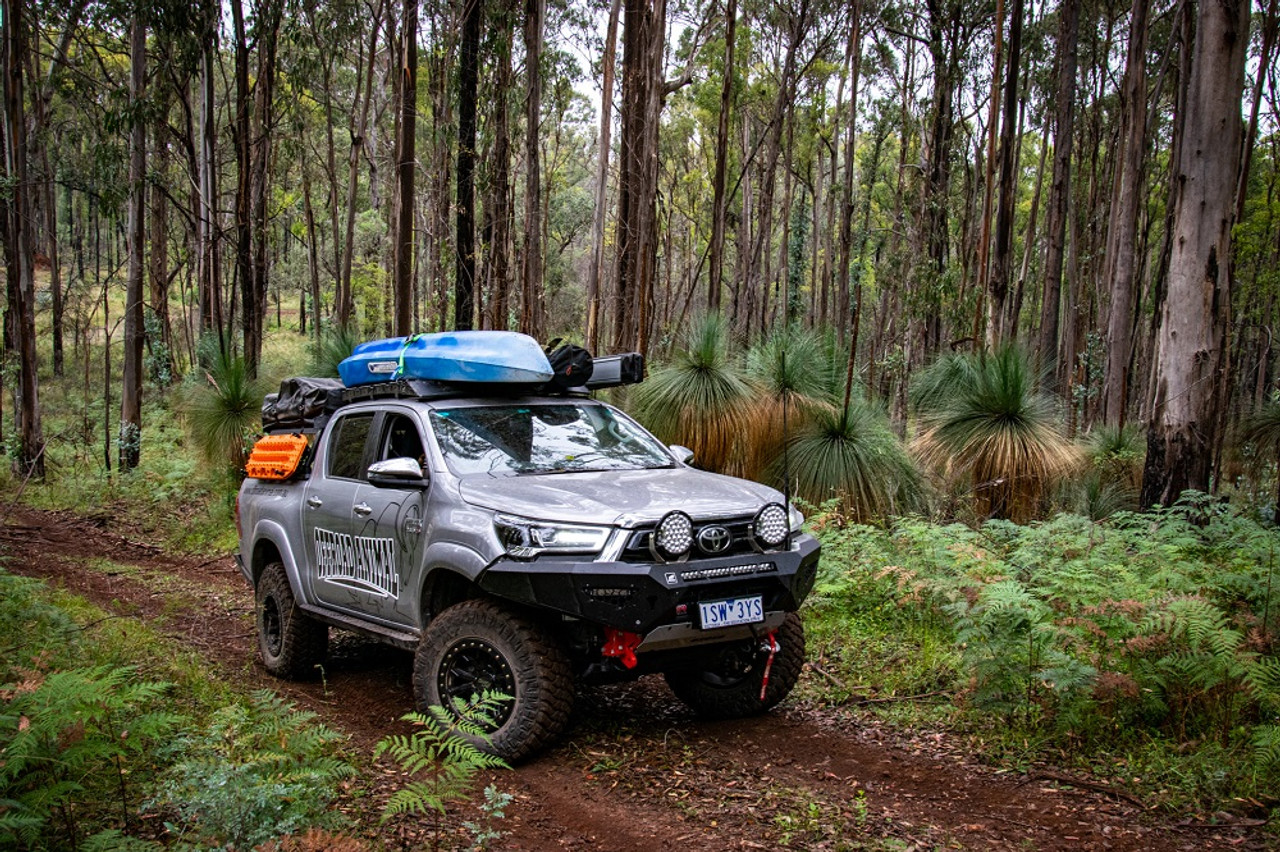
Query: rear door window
[{"x": 347, "y": 447}]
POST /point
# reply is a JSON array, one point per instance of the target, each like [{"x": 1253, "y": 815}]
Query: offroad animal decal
[{"x": 359, "y": 562}]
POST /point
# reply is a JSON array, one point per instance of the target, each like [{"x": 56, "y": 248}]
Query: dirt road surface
[{"x": 635, "y": 772}]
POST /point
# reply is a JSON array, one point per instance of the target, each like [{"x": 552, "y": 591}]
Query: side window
[
  {"x": 346, "y": 450},
  {"x": 401, "y": 439}
]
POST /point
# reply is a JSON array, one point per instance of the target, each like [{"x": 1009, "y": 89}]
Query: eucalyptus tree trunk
[
  {"x": 715, "y": 280},
  {"x": 49, "y": 201},
  {"x": 267, "y": 28},
  {"x": 642, "y": 89},
  {"x": 19, "y": 244},
  {"x": 498, "y": 209},
  {"x": 989, "y": 184},
  {"x": 240, "y": 135},
  {"x": 406, "y": 148},
  {"x": 1059, "y": 192},
  {"x": 1191, "y": 363},
  {"x": 595, "y": 280},
  {"x": 208, "y": 254},
  {"x": 464, "y": 281},
  {"x": 359, "y": 127},
  {"x": 798, "y": 23},
  {"x": 1002, "y": 258},
  {"x": 850, "y": 292},
  {"x": 535, "y": 12},
  {"x": 1122, "y": 232},
  {"x": 131, "y": 390}
]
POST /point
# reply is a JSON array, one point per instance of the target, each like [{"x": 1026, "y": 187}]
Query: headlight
[
  {"x": 524, "y": 538},
  {"x": 771, "y": 525},
  {"x": 673, "y": 536}
]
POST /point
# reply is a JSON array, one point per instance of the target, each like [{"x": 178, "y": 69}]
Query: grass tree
[
  {"x": 987, "y": 427},
  {"x": 852, "y": 455},
  {"x": 702, "y": 399},
  {"x": 223, "y": 407},
  {"x": 794, "y": 374},
  {"x": 1262, "y": 429}
]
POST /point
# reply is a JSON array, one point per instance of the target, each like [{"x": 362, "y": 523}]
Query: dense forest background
[{"x": 1092, "y": 185}]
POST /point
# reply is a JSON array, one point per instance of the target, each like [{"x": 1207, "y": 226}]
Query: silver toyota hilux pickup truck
[{"x": 518, "y": 544}]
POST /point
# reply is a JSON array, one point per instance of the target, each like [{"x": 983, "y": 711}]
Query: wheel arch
[{"x": 271, "y": 545}]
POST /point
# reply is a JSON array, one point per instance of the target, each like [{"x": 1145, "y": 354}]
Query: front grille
[{"x": 638, "y": 550}]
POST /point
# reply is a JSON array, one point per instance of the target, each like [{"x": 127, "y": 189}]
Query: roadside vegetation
[{"x": 984, "y": 574}]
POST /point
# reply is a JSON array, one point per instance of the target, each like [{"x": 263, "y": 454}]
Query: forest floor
[{"x": 635, "y": 771}]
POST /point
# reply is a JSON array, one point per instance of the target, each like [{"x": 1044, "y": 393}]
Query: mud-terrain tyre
[
  {"x": 293, "y": 645},
  {"x": 478, "y": 646},
  {"x": 729, "y": 687}
]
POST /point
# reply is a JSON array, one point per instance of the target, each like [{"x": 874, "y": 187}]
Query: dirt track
[{"x": 635, "y": 772}]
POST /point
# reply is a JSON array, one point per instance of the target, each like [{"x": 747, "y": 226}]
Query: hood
[{"x": 617, "y": 497}]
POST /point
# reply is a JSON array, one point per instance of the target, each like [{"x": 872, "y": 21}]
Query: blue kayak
[{"x": 450, "y": 356}]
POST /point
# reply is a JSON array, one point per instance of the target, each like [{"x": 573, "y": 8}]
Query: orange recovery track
[{"x": 275, "y": 456}]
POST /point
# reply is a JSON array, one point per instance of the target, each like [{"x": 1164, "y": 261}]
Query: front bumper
[{"x": 643, "y": 597}]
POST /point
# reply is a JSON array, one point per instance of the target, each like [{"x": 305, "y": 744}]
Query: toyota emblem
[{"x": 714, "y": 539}]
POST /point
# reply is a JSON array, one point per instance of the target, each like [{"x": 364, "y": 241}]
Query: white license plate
[{"x": 733, "y": 611}]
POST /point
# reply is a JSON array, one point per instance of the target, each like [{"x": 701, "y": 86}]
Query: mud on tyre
[
  {"x": 478, "y": 646},
  {"x": 727, "y": 686},
  {"x": 292, "y": 644}
]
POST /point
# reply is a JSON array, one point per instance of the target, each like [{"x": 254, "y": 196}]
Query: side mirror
[
  {"x": 398, "y": 473},
  {"x": 684, "y": 455}
]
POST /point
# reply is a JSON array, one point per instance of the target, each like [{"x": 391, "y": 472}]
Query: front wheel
[
  {"x": 728, "y": 686},
  {"x": 478, "y": 646},
  {"x": 292, "y": 644}
]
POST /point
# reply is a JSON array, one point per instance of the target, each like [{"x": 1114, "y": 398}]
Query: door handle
[
  {"x": 315, "y": 502},
  {"x": 364, "y": 510}
]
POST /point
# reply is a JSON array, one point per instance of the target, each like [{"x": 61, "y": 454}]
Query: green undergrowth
[
  {"x": 114, "y": 738},
  {"x": 1142, "y": 649}
]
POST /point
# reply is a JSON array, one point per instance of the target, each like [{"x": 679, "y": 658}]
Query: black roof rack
[
  {"x": 609, "y": 371},
  {"x": 305, "y": 404}
]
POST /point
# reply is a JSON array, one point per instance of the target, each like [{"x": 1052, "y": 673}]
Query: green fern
[
  {"x": 253, "y": 773},
  {"x": 441, "y": 756},
  {"x": 70, "y": 737}
]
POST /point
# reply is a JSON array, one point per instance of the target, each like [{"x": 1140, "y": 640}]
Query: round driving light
[
  {"x": 770, "y": 527},
  {"x": 673, "y": 536}
]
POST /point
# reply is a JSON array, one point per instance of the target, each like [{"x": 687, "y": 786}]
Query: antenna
[{"x": 786, "y": 448}]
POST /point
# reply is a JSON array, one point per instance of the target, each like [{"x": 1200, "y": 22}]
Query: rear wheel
[
  {"x": 478, "y": 646},
  {"x": 728, "y": 685},
  {"x": 293, "y": 645}
]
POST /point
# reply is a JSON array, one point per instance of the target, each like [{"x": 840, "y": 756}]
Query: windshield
[{"x": 550, "y": 438}]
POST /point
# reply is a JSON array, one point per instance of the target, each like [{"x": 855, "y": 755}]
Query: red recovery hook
[
  {"x": 774, "y": 648},
  {"x": 621, "y": 644}
]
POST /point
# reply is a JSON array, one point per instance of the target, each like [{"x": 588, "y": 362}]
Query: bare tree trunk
[
  {"x": 209, "y": 276},
  {"x": 595, "y": 279},
  {"x": 464, "y": 282},
  {"x": 1059, "y": 193},
  {"x": 131, "y": 388},
  {"x": 346, "y": 304},
  {"x": 41, "y": 104},
  {"x": 989, "y": 185},
  {"x": 21, "y": 325},
  {"x": 850, "y": 280},
  {"x": 535, "y": 12},
  {"x": 715, "y": 281},
  {"x": 1191, "y": 347},
  {"x": 1002, "y": 259},
  {"x": 643, "y": 38},
  {"x": 406, "y": 146},
  {"x": 1122, "y": 232},
  {"x": 1270, "y": 23},
  {"x": 313, "y": 251},
  {"x": 498, "y": 209}
]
